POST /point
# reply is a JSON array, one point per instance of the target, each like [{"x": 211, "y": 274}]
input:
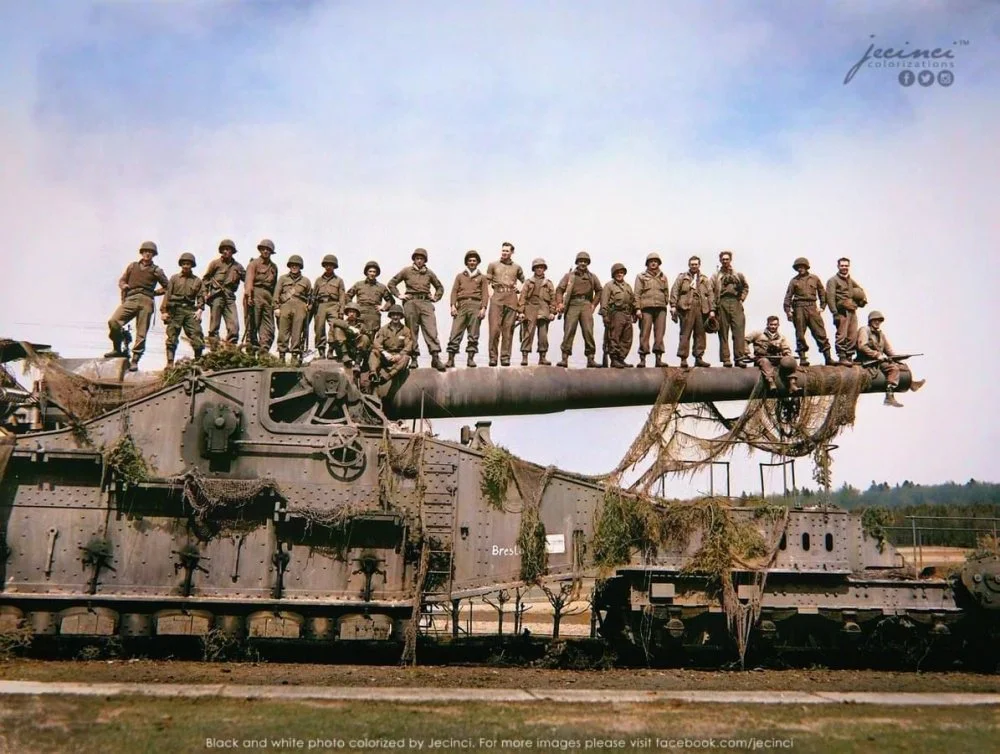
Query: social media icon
[
  {"x": 906, "y": 78},
  {"x": 946, "y": 78},
  {"x": 925, "y": 78}
]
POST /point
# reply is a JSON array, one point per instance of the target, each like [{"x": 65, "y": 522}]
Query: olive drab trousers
[
  {"x": 371, "y": 320},
  {"x": 466, "y": 321},
  {"x": 137, "y": 306},
  {"x": 692, "y": 322},
  {"x": 619, "y": 327},
  {"x": 223, "y": 308},
  {"x": 731, "y": 321},
  {"x": 323, "y": 326},
  {"x": 419, "y": 315},
  {"x": 579, "y": 312},
  {"x": 292, "y": 326},
  {"x": 262, "y": 312},
  {"x": 532, "y": 324},
  {"x": 653, "y": 321},
  {"x": 184, "y": 318},
  {"x": 846, "y": 338},
  {"x": 392, "y": 362},
  {"x": 502, "y": 318},
  {"x": 806, "y": 315}
]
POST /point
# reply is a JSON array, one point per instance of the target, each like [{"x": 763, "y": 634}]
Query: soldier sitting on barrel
[
  {"x": 770, "y": 348},
  {"x": 875, "y": 351},
  {"x": 350, "y": 337},
  {"x": 392, "y": 348}
]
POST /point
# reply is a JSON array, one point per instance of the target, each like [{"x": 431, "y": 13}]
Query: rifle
[
  {"x": 249, "y": 322},
  {"x": 897, "y": 359}
]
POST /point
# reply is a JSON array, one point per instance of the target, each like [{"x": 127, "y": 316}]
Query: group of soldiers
[{"x": 347, "y": 323}]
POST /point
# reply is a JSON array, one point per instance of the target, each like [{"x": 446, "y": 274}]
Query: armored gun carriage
[{"x": 285, "y": 504}]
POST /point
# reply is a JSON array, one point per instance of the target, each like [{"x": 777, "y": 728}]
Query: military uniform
[
  {"x": 769, "y": 349},
  {"x": 329, "y": 297},
  {"x": 293, "y": 303},
  {"x": 844, "y": 297},
  {"x": 730, "y": 289},
  {"x": 652, "y": 294},
  {"x": 261, "y": 281},
  {"x": 138, "y": 285},
  {"x": 223, "y": 279},
  {"x": 578, "y": 291},
  {"x": 504, "y": 277},
  {"x": 873, "y": 345},
  {"x": 618, "y": 308},
  {"x": 801, "y": 297},
  {"x": 354, "y": 341},
  {"x": 693, "y": 299},
  {"x": 537, "y": 305},
  {"x": 181, "y": 310},
  {"x": 423, "y": 290},
  {"x": 469, "y": 294},
  {"x": 369, "y": 295},
  {"x": 391, "y": 349}
]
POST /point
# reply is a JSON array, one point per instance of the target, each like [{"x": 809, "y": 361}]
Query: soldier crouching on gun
[
  {"x": 350, "y": 337},
  {"x": 329, "y": 298},
  {"x": 469, "y": 295},
  {"x": 875, "y": 351},
  {"x": 770, "y": 348},
  {"x": 392, "y": 348},
  {"x": 223, "y": 277},
  {"x": 618, "y": 310},
  {"x": 182, "y": 307},
  {"x": 293, "y": 310},
  {"x": 138, "y": 287}
]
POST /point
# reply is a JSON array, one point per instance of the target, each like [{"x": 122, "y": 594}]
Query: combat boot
[
  {"x": 915, "y": 385},
  {"x": 493, "y": 362},
  {"x": 771, "y": 385},
  {"x": 198, "y": 352},
  {"x": 890, "y": 398},
  {"x": 170, "y": 359},
  {"x": 700, "y": 362},
  {"x": 505, "y": 362},
  {"x": 592, "y": 364},
  {"x": 348, "y": 363},
  {"x": 134, "y": 363},
  {"x": 727, "y": 364},
  {"x": 659, "y": 361},
  {"x": 828, "y": 357},
  {"x": 542, "y": 361},
  {"x": 471, "y": 363},
  {"x": 281, "y": 357},
  {"x": 450, "y": 364},
  {"x": 793, "y": 386},
  {"x": 803, "y": 360},
  {"x": 524, "y": 358},
  {"x": 642, "y": 361},
  {"x": 565, "y": 361},
  {"x": 436, "y": 363},
  {"x": 116, "y": 354},
  {"x": 615, "y": 364},
  {"x": 684, "y": 364}
]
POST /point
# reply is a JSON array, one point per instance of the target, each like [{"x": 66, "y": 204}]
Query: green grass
[{"x": 83, "y": 725}]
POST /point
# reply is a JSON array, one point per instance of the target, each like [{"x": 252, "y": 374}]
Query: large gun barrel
[{"x": 541, "y": 390}]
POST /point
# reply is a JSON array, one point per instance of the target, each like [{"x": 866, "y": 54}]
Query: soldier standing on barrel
[
  {"x": 138, "y": 288},
  {"x": 652, "y": 292},
  {"x": 730, "y": 289},
  {"x": 223, "y": 277},
  {"x": 504, "y": 275},
  {"x": 803, "y": 293},
  {"x": 329, "y": 298},
  {"x": 258, "y": 297},
  {"x": 294, "y": 291},
  {"x": 423, "y": 290},
  {"x": 692, "y": 302},
  {"x": 469, "y": 296},
  {"x": 372, "y": 297},
  {"x": 618, "y": 310},
  {"x": 844, "y": 297},
  {"x": 182, "y": 307},
  {"x": 537, "y": 306},
  {"x": 582, "y": 289}
]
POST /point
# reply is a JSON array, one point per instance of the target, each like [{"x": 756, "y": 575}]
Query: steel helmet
[
  {"x": 539, "y": 263},
  {"x": 149, "y": 246},
  {"x": 419, "y": 253},
  {"x": 331, "y": 259},
  {"x": 711, "y": 325},
  {"x": 653, "y": 257},
  {"x": 799, "y": 262},
  {"x": 352, "y": 307},
  {"x": 396, "y": 309},
  {"x": 295, "y": 259},
  {"x": 227, "y": 243},
  {"x": 472, "y": 253},
  {"x": 369, "y": 265},
  {"x": 583, "y": 257},
  {"x": 266, "y": 243},
  {"x": 618, "y": 267},
  {"x": 872, "y": 316},
  {"x": 187, "y": 256}
]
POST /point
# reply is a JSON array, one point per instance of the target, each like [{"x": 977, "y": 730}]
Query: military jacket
[
  {"x": 685, "y": 295},
  {"x": 652, "y": 291},
  {"x": 540, "y": 294},
  {"x": 142, "y": 278},
  {"x": 765, "y": 344},
  {"x": 504, "y": 275},
  {"x": 873, "y": 344},
  {"x": 731, "y": 283},
  {"x": 617, "y": 297},
  {"x": 262, "y": 274},
  {"x": 574, "y": 285},
  {"x": 185, "y": 290},
  {"x": 327, "y": 289},
  {"x": 844, "y": 295},
  {"x": 290, "y": 287},
  {"x": 807, "y": 289},
  {"x": 394, "y": 338},
  {"x": 469, "y": 287},
  {"x": 369, "y": 295},
  {"x": 417, "y": 281},
  {"x": 224, "y": 276}
]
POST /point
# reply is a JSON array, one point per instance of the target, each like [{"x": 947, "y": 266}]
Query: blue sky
[{"x": 366, "y": 129}]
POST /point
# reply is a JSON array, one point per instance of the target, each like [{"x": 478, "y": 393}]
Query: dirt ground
[{"x": 174, "y": 671}]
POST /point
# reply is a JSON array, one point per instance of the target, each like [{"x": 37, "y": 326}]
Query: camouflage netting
[{"x": 217, "y": 504}]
